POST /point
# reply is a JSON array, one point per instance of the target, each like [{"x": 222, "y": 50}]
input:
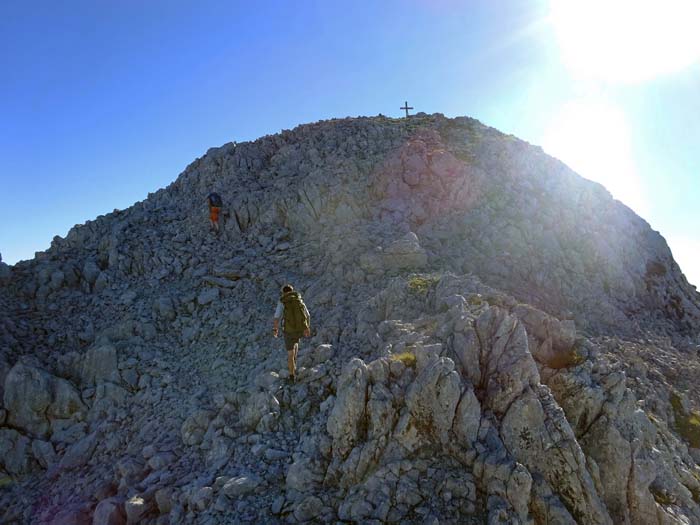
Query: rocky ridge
[{"x": 496, "y": 340}]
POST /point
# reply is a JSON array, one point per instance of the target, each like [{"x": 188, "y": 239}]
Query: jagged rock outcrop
[{"x": 495, "y": 340}]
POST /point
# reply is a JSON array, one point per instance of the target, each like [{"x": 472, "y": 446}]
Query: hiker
[
  {"x": 215, "y": 203},
  {"x": 296, "y": 324}
]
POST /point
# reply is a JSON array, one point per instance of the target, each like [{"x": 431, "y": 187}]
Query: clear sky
[{"x": 104, "y": 101}]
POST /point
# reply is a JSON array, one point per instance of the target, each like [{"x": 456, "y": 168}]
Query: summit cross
[{"x": 406, "y": 107}]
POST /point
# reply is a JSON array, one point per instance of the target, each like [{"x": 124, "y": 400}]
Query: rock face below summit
[{"x": 495, "y": 340}]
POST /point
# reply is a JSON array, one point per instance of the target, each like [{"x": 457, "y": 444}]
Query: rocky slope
[{"x": 496, "y": 340}]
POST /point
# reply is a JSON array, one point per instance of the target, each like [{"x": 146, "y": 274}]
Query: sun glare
[
  {"x": 627, "y": 41},
  {"x": 592, "y": 138},
  {"x": 686, "y": 252}
]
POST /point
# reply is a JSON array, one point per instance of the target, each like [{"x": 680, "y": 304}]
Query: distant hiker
[
  {"x": 296, "y": 324},
  {"x": 215, "y": 204}
]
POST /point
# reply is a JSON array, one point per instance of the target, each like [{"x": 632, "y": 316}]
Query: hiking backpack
[{"x": 295, "y": 319}]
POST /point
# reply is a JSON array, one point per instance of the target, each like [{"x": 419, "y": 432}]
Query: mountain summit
[{"x": 495, "y": 340}]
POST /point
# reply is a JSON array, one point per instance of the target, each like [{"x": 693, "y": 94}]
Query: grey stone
[
  {"x": 194, "y": 427},
  {"x": 308, "y": 509},
  {"x": 432, "y": 399},
  {"x": 219, "y": 281},
  {"x": 207, "y": 296},
  {"x": 272, "y": 454},
  {"x": 257, "y": 407},
  {"x": 32, "y": 396},
  {"x": 161, "y": 460},
  {"x": 136, "y": 508},
  {"x": 15, "y": 452},
  {"x": 100, "y": 363},
  {"x": 109, "y": 512},
  {"x": 101, "y": 282},
  {"x": 79, "y": 453},
  {"x": 164, "y": 500},
  {"x": 348, "y": 411},
  {"x": 561, "y": 395},
  {"x": 57, "y": 279},
  {"x": 203, "y": 497},
  {"x": 91, "y": 272},
  {"x": 164, "y": 307},
  {"x": 405, "y": 253},
  {"x": 67, "y": 431},
  {"x": 277, "y": 505},
  {"x": 44, "y": 453},
  {"x": 241, "y": 485}
]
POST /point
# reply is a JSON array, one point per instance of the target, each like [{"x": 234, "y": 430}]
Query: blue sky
[{"x": 104, "y": 101}]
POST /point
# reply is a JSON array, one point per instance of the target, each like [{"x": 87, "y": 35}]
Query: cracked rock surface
[{"x": 495, "y": 340}]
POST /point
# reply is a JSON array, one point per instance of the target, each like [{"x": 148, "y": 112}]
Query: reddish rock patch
[{"x": 423, "y": 180}]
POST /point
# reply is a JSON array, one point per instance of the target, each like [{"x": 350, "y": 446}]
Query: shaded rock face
[
  {"x": 33, "y": 396},
  {"x": 494, "y": 340}
]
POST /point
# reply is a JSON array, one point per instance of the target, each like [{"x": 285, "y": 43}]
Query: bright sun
[
  {"x": 627, "y": 41},
  {"x": 608, "y": 42},
  {"x": 592, "y": 138}
]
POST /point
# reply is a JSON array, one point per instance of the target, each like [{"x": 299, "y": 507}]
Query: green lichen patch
[
  {"x": 687, "y": 424},
  {"x": 695, "y": 493},
  {"x": 407, "y": 358},
  {"x": 475, "y": 299},
  {"x": 662, "y": 497},
  {"x": 421, "y": 284}
]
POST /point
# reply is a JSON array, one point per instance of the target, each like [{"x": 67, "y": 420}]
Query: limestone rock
[
  {"x": 136, "y": 509},
  {"x": 32, "y": 396},
  {"x": 405, "y": 253},
  {"x": 553, "y": 340},
  {"x": 79, "y": 453},
  {"x": 109, "y": 512},
  {"x": 432, "y": 399},
  {"x": 344, "y": 421},
  {"x": 208, "y": 295},
  {"x": 100, "y": 363},
  {"x": 542, "y": 369},
  {"x": 164, "y": 500},
  {"x": 257, "y": 407},
  {"x": 44, "y": 453},
  {"x": 308, "y": 509},
  {"x": 91, "y": 272},
  {"x": 241, "y": 485},
  {"x": 15, "y": 452}
]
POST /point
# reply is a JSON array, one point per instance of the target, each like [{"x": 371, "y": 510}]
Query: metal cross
[{"x": 406, "y": 107}]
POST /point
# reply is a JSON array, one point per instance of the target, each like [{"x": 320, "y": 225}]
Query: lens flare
[{"x": 592, "y": 137}]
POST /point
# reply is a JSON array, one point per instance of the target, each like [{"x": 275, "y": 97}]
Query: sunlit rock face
[
  {"x": 494, "y": 340},
  {"x": 423, "y": 181}
]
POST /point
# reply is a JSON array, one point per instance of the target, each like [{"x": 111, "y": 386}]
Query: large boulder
[
  {"x": 433, "y": 397},
  {"x": 100, "y": 364},
  {"x": 79, "y": 453},
  {"x": 16, "y": 452},
  {"x": 345, "y": 421},
  {"x": 260, "y": 407},
  {"x": 33, "y": 397},
  {"x": 109, "y": 511},
  {"x": 405, "y": 254},
  {"x": 551, "y": 340},
  {"x": 533, "y": 427}
]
